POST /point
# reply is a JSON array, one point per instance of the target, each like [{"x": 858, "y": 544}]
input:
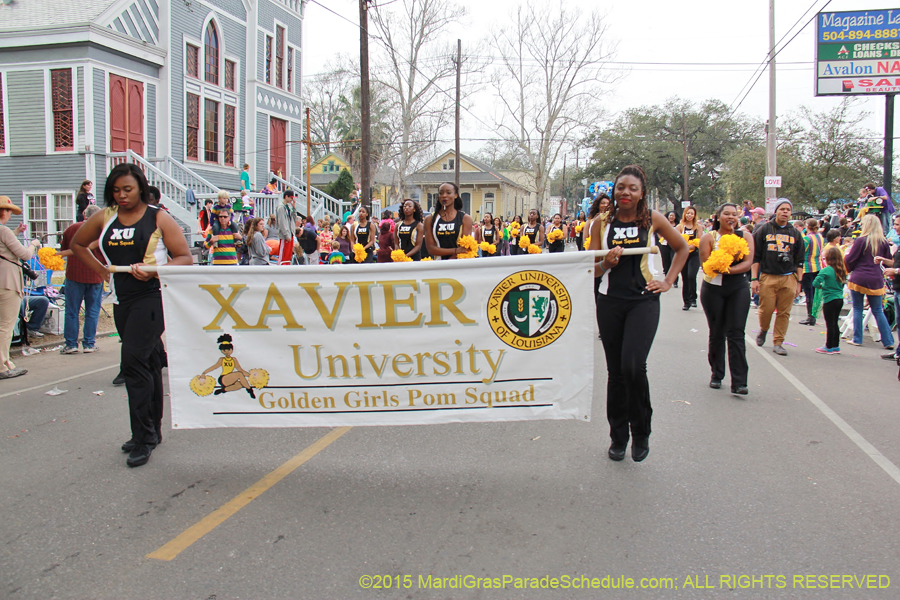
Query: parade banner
[{"x": 493, "y": 339}]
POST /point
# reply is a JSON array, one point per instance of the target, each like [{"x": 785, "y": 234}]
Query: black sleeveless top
[
  {"x": 488, "y": 235},
  {"x": 363, "y": 232},
  {"x": 629, "y": 278},
  {"x": 531, "y": 232},
  {"x": 559, "y": 245},
  {"x": 126, "y": 245},
  {"x": 446, "y": 233},
  {"x": 405, "y": 234}
]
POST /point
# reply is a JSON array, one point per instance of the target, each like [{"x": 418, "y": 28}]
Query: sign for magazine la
[{"x": 381, "y": 344}]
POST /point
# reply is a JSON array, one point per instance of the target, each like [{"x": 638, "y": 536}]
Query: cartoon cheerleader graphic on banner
[{"x": 233, "y": 376}]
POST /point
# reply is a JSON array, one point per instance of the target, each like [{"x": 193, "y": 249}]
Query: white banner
[{"x": 499, "y": 339}]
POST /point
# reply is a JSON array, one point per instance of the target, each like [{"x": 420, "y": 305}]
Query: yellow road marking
[{"x": 216, "y": 518}]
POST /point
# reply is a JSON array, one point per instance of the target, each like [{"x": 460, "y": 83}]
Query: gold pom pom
[
  {"x": 488, "y": 248},
  {"x": 719, "y": 261},
  {"x": 579, "y": 227},
  {"x": 524, "y": 241},
  {"x": 259, "y": 378},
  {"x": 734, "y": 245},
  {"x": 427, "y": 258},
  {"x": 587, "y": 242},
  {"x": 467, "y": 242},
  {"x": 399, "y": 256},
  {"x": 555, "y": 235},
  {"x": 359, "y": 253},
  {"x": 203, "y": 385},
  {"x": 534, "y": 249}
]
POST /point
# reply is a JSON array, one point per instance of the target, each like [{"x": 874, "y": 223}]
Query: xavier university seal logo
[{"x": 529, "y": 310}]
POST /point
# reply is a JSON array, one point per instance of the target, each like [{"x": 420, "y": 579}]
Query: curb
[{"x": 17, "y": 350}]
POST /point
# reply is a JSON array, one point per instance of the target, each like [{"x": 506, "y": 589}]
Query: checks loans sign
[{"x": 381, "y": 344}]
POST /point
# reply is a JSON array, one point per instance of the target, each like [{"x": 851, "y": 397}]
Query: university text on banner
[{"x": 381, "y": 344}]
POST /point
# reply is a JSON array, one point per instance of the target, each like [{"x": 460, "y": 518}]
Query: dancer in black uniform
[
  {"x": 514, "y": 239},
  {"x": 628, "y": 307},
  {"x": 664, "y": 251},
  {"x": 443, "y": 228},
  {"x": 133, "y": 233},
  {"x": 579, "y": 235},
  {"x": 726, "y": 302},
  {"x": 364, "y": 234},
  {"x": 409, "y": 232},
  {"x": 560, "y": 244},
  {"x": 692, "y": 228},
  {"x": 488, "y": 233},
  {"x": 533, "y": 229}
]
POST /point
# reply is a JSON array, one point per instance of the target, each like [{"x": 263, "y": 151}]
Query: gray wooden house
[{"x": 188, "y": 89}]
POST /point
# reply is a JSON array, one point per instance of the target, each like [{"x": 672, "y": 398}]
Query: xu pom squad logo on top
[{"x": 529, "y": 310}]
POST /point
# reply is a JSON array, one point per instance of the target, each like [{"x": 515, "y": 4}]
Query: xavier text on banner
[{"x": 381, "y": 344}]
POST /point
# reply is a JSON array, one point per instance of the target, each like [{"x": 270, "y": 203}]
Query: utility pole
[
  {"x": 308, "y": 165},
  {"x": 771, "y": 167},
  {"x": 562, "y": 189},
  {"x": 888, "y": 142},
  {"x": 458, "y": 73},
  {"x": 685, "y": 194},
  {"x": 366, "y": 199}
]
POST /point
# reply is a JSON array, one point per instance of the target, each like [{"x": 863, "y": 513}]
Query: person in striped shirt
[
  {"x": 223, "y": 243},
  {"x": 812, "y": 260}
]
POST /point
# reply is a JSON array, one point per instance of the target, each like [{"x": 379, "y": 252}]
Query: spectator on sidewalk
[
  {"x": 33, "y": 311},
  {"x": 82, "y": 285},
  {"x": 284, "y": 224},
  {"x": 11, "y": 288}
]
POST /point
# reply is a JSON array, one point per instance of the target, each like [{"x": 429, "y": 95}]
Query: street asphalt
[{"x": 789, "y": 492}]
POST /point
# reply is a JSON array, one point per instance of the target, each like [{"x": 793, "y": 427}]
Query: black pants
[
  {"x": 831, "y": 310},
  {"x": 689, "y": 278},
  {"x": 140, "y": 326},
  {"x": 627, "y": 329},
  {"x": 806, "y": 284},
  {"x": 514, "y": 247},
  {"x": 726, "y": 311}
]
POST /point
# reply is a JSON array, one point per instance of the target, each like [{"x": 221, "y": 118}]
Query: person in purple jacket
[
  {"x": 867, "y": 278},
  {"x": 887, "y": 207}
]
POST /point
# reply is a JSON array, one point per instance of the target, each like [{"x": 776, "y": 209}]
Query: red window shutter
[
  {"x": 279, "y": 56},
  {"x": 193, "y": 127},
  {"x": 229, "y": 75},
  {"x": 269, "y": 59},
  {"x": 118, "y": 114},
  {"x": 136, "y": 116},
  {"x": 211, "y": 131},
  {"x": 63, "y": 118},
  {"x": 228, "y": 150},
  {"x": 193, "y": 61}
]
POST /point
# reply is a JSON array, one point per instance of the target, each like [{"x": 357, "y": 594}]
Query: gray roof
[{"x": 33, "y": 14}]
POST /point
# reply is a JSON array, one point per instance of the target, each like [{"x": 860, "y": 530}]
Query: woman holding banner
[
  {"x": 444, "y": 228},
  {"x": 628, "y": 306},
  {"x": 134, "y": 233}
]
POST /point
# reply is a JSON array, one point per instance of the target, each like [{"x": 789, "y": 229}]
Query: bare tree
[
  {"x": 549, "y": 80},
  {"x": 323, "y": 95},
  {"x": 417, "y": 69}
]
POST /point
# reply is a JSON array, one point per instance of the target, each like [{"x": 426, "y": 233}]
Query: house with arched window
[{"x": 189, "y": 90}]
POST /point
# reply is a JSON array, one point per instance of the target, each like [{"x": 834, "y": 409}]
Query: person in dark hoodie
[
  {"x": 385, "y": 243},
  {"x": 776, "y": 272}
]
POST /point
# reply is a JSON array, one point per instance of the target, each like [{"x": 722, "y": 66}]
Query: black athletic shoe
[
  {"x": 740, "y": 390},
  {"x": 616, "y": 452},
  {"x": 761, "y": 338},
  {"x": 640, "y": 448},
  {"x": 715, "y": 383},
  {"x": 686, "y": 307},
  {"x": 139, "y": 455},
  {"x": 694, "y": 304},
  {"x": 119, "y": 380}
]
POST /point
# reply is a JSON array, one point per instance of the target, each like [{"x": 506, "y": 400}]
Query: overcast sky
[{"x": 669, "y": 35}]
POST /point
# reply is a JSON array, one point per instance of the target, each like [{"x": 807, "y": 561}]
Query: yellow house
[
  {"x": 482, "y": 189},
  {"x": 326, "y": 169}
]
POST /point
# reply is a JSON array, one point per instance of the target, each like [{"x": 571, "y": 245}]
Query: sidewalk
[{"x": 105, "y": 327}]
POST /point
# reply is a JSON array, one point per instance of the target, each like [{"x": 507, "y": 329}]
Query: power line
[{"x": 777, "y": 52}]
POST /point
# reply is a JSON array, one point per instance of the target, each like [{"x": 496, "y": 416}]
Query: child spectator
[
  {"x": 336, "y": 257},
  {"x": 829, "y": 286}
]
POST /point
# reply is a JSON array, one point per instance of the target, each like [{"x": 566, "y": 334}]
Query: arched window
[{"x": 211, "y": 41}]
